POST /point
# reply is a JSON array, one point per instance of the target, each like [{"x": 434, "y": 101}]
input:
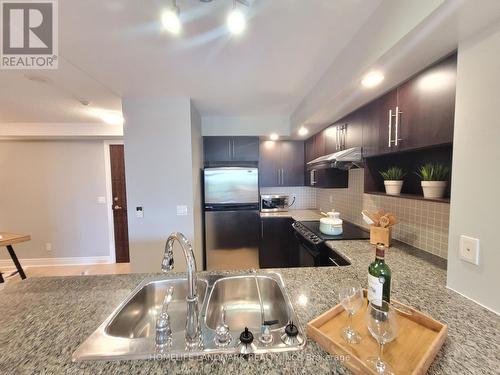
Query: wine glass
[
  {"x": 381, "y": 319},
  {"x": 351, "y": 298}
]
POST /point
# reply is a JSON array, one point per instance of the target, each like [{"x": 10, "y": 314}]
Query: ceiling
[
  {"x": 116, "y": 48},
  {"x": 298, "y": 59}
]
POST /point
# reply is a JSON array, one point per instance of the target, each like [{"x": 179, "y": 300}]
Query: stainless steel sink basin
[
  {"x": 241, "y": 296},
  {"x": 137, "y": 318},
  {"x": 248, "y": 300}
]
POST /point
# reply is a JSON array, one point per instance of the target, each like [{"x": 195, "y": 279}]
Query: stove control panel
[{"x": 306, "y": 233}]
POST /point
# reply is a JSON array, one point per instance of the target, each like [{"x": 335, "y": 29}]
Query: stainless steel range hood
[{"x": 344, "y": 160}]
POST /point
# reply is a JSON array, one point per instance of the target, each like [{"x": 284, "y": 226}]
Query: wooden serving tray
[{"x": 419, "y": 339}]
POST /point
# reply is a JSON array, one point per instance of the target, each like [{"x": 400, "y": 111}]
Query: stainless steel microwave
[{"x": 273, "y": 203}]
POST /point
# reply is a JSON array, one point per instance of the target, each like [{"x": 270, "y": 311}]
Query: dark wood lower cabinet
[{"x": 277, "y": 244}]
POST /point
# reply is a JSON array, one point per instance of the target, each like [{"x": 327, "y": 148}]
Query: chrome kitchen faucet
[{"x": 193, "y": 335}]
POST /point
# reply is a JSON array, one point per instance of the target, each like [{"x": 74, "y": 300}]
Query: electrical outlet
[
  {"x": 48, "y": 246},
  {"x": 469, "y": 249}
]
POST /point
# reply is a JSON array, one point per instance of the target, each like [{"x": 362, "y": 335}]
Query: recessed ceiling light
[
  {"x": 303, "y": 131},
  {"x": 170, "y": 19},
  {"x": 236, "y": 21},
  {"x": 112, "y": 118},
  {"x": 274, "y": 137},
  {"x": 372, "y": 79},
  {"x": 107, "y": 116}
]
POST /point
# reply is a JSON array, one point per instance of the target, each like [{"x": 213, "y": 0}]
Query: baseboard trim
[
  {"x": 44, "y": 262},
  {"x": 473, "y": 300}
]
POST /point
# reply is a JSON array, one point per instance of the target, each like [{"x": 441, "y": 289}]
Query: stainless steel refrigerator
[{"x": 232, "y": 220}]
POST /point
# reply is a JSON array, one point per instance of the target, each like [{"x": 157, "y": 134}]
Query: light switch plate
[
  {"x": 182, "y": 210},
  {"x": 101, "y": 200},
  {"x": 139, "y": 212},
  {"x": 469, "y": 249}
]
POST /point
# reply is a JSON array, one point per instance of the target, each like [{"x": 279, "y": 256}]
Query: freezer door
[
  {"x": 232, "y": 239},
  {"x": 231, "y": 185}
]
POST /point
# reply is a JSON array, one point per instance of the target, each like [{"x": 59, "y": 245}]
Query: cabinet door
[
  {"x": 386, "y": 113},
  {"x": 320, "y": 144},
  {"x": 273, "y": 249},
  {"x": 427, "y": 105},
  {"x": 309, "y": 149},
  {"x": 269, "y": 160},
  {"x": 331, "y": 136},
  {"x": 217, "y": 149},
  {"x": 245, "y": 149},
  {"x": 353, "y": 131},
  {"x": 370, "y": 121},
  {"x": 292, "y": 163}
]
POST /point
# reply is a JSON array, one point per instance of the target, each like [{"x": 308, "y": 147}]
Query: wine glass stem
[
  {"x": 349, "y": 322},
  {"x": 380, "y": 353}
]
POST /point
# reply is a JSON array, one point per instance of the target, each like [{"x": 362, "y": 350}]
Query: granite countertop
[
  {"x": 43, "y": 320},
  {"x": 297, "y": 215}
]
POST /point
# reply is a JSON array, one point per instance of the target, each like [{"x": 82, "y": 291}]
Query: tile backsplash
[
  {"x": 421, "y": 224},
  {"x": 305, "y": 197}
]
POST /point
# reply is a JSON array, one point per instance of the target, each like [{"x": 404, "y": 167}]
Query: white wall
[
  {"x": 49, "y": 189},
  {"x": 159, "y": 172},
  {"x": 30, "y": 130},
  {"x": 245, "y": 125},
  {"x": 476, "y": 174}
]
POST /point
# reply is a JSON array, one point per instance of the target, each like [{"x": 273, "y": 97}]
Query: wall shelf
[
  {"x": 410, "y": 161},
  {"x": 409, "y": 196}
]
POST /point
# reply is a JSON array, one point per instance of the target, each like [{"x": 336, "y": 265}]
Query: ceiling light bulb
[
  {"x": 171, "y": 21},
  {"x": 274, "y": 137},
  {"x": 303, "y": 131},
  {"x": 372, "y": 79},
  {"x": 236, "y": 21}
]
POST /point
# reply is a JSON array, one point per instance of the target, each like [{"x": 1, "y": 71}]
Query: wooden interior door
[{"x": 119, "y": 204}]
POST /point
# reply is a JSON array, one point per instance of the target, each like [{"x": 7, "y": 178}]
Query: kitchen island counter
[{"x": 43, "y": 320}]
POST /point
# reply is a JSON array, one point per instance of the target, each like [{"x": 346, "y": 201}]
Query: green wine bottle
[{"x": 379, "y": 277}]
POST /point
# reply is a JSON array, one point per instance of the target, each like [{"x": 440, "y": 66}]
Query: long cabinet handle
[
  {"x": 390, "y": 127},
  {"x": 282, "y": 176},
  {"x": 261, "y": 229},
  {"x": 337, "y": 142},
  {"x": 396, "y": 134},
  {"x": 232, "y": 141}
]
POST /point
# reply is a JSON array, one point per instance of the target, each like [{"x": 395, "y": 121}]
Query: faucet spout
[{"x": 193, "y": 337}]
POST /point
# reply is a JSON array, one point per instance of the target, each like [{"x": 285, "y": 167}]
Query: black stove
[
  {"x": 350, "y": 231},
  {"x": 313, "y": 251}
]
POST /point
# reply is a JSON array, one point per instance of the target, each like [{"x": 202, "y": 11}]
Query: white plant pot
[
  {"x": 393, "y": 187},
  {"x": 434, "y": 189}
]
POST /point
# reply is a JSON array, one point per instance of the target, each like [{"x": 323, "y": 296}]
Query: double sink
[{"x": 239, "y": 304}]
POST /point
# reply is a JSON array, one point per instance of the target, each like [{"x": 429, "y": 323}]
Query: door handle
[
  {"x": 336, "y": 138},
  {"x": 390, "y": 127},
  {"x": 396, "y": 136},
  {"x": 116, "y": 207}
]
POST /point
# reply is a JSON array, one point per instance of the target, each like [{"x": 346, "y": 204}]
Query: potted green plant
[
  {"x": 434, "y": 179},
  {"x": 393, "y": 180}
]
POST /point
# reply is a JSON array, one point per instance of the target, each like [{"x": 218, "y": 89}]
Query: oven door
[{"x": 310, "y": 255}]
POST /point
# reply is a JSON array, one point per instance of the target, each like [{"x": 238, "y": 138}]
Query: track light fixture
[{"x": 170, "y": 18}]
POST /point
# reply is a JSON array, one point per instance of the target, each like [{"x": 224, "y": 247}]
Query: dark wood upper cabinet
[
  {"x": 245, "y": 148},
  {"x": 281, "y": 163},
  {"x": 370, "y": 120},
  {"x": 230, "y": 149},
  {"x": 386, "y": 121},
  {"x": 427, "y": 106},
  {"x": 309, "y": 150},
  {"x": 420, "y": 112}
]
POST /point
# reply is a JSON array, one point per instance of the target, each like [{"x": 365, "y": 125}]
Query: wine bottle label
[{"x": 375, "y": 287}]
